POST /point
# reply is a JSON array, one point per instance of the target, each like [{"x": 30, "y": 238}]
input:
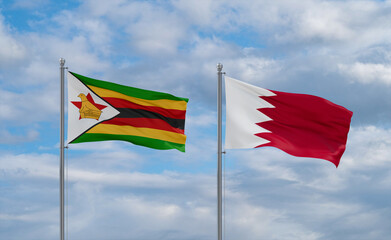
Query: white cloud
[
  {"x": 77, "y": 25},
  {"x": 136, "y": 179},
  {"x": 99, "y": 169},
  {"x": 26, "y": 108},
  {"x": 208, "y": 14},
  {"x": 352, "y": 24},
  {"x": 11, "y": 49},
  {"x": 156, "y": 32},
  {"x": 152, "y": 29},
  {"x": 42, "y": 216},
  {"x": 76, "y": 51},
  {"x": 46, "y": 218},
  {"x": 30, "y": 166},
  {"x": 156, "y": 37},
  {"x": 9, "y": 138},
  {"x": 368, "y": 148},
  {"x": 204, "y": 119},
  {"x": 168, "y": 213},
  {"x": 367, "y": 73},
  {"x": 323, "y": 21},
  {"x": 253, "y": 69},
  {"x": 256, "y": 222},
  {"x": 26, "y": 4}
]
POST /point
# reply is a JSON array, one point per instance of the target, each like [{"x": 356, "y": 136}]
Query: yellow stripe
[
  {"x": 141, "y": 132},
  {"x": 163, "y": 103}
]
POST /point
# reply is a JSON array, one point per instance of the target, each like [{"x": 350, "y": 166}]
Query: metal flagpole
[
  {"x": 219, "y": 152},
  {"x": 62, "y": 62}
]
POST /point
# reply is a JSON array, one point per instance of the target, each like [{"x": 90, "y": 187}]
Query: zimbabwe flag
[{"x": 100, "y": 111}]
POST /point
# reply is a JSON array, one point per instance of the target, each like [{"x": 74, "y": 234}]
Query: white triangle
[
  {"x": 242, "y": 102},
  {"x": 77, "y": 126}
]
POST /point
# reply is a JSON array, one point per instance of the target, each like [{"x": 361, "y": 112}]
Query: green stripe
[
  {"x": 142, "y": 141},
  {"x": 130, "y": 91}
]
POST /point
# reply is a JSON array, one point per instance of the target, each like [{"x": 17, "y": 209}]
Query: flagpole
[
  {"x": 219, "y": 152},
  {"x": 62, "y": 62}
]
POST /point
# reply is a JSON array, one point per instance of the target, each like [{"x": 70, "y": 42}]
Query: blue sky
[{"x": 339, "y": 50}]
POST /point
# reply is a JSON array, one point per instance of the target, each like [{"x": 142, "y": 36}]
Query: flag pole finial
[
  {"x": 62, "y": 61},
  {"x": 219, "y": 67}
]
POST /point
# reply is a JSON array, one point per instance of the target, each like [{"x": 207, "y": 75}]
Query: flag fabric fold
[
  {"x": 299, "y": 124},
  {"x": 100, "y": 111}
]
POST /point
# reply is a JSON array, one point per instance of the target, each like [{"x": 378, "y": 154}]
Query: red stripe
[
  {"x": 144, "y": 122},
  {"x": 306, "y": 126},
  {"x": 122, "y": 103}
]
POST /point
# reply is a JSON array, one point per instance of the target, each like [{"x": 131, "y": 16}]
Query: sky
[{"x": 335, "y": 49}]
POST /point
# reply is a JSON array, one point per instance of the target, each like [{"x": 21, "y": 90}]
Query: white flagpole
[
  {"x": 219, "y": 151},
  {"x": 62, "y": 62}
]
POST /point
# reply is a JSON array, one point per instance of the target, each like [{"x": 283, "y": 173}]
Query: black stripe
[{"x": 139, "y": 113}]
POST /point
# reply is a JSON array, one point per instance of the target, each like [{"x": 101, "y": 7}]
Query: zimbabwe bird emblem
[{"x": 88, "y": 108}]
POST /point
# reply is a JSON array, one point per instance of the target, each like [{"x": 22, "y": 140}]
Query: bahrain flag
[{"x": 299, "y": 124}]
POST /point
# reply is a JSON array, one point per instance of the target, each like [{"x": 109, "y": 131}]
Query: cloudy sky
[{"x": 336, "y": 49}]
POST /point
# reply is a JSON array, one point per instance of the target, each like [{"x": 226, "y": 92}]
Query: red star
[{"x": 91, "y": 100}]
